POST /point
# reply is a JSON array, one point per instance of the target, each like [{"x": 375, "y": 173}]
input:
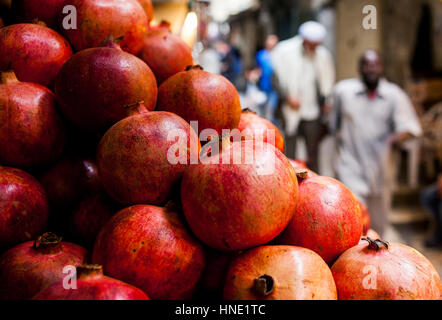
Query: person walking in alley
[
  {"x": 264, "y": 63},
  {"x": 368, "y": 116},
  {"x": 304, "y": 76}
]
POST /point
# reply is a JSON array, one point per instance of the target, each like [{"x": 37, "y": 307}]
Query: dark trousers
[
  {"x": 311, "y": 132},
  {"x": 433, "y": 203}
]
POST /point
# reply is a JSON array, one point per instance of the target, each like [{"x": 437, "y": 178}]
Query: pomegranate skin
[
  {"x": 32, "y": 133},
  {"x": 26, "y": 270},
  {"x": 365, "y": 218},
  {"x": 397, "y": 273},
  {"x": 297, "y": 274},
  {"x": 90, "y": 216},
  {"x": 148, "y": 8},
  {"x": 35, "y": 53},
  {"x": 327, "y": 219},
  {"x": 232, "y": 206},
  {"x": 70, "y": 180},
  {"x": 166, "y": 54},
  {"x": 253, "y": 127},
  {"x": 100, "y": 86},
  {"x": 23, "y": 206},
  {"x": 150, "y": 248},
  {"x": 92, "y": 285},
  {"x": 41, "y": 10},
  {"x": 97, "y": 19},
  {"x": 133, "y": 162},
  {"x": 197, "y": 95}
]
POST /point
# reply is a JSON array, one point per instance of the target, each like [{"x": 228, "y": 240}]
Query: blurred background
[{"x": 227, "y": 36}]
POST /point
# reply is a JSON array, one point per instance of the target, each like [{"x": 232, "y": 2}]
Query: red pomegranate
[
  {"x": 165, "y": 53},
  {"x": 31, "y": 131},
  {"x": 197, "y": 95},
  {"x": 30, "y": 267},
  {"x": 97, "y": 19},
  {"x": 142, "y": 158},
  {"x": 244, "y": 200},
  {"x": 91, "y": 284},
  {"x": 41, "y": 10},
  {"x": 90, "y": 216},
  {"x": 35, "y": 53},
  {"x": 150, "y": 248},
  {"x": 23, "y": 207},
  {"x": 376, "y": 270},
  {"x": 216, "y": 270},
  {"x": 279, "y": 273},
  {"x": 98, "y": 87},
  {"x": 70, "y": 180},
  {"x": 255, "y": 127},
  {"x": 298, "y": 164},
  {"x": 163, "y": 25},
  {"x": 372, "y": 234},
  {"x": 365, "y": 219},
  {"x": 327, "y": 219},
  {"x": 148, "y": 8},
  {"x": 302, "y": 172}
]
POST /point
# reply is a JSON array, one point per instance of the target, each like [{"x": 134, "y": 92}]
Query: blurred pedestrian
[
  {"x": 368, "y": 116},
  {"x": 231, "y": 61},
  {"x": 264, "y": 62},
  {"x": 251, "y": 96},
  {"x": 304, "y": 78}
]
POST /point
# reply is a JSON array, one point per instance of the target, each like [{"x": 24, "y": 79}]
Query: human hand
[{"x": 294, "y": 103}]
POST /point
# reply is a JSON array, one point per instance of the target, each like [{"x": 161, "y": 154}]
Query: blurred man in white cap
[{"x": 304, "y": 78}]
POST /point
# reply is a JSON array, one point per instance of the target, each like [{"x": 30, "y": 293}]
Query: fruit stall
[{"x": 128, "y": 172}]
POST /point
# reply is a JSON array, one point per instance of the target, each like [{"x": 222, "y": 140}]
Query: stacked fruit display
[{"x": 161, "y": 187}]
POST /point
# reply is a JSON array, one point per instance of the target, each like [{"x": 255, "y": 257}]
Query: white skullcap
[{"x": 312, "y": 31}]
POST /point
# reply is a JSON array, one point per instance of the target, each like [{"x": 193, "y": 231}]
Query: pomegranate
[
  {"x": 70, "y": 180},
  {"x": 98, "y": 87},
  {"x": 197, "y": 95},
  {"x": 365, "y": 219},
  {"x": 90, "y": 216},
  {"x": 372, "y": 234},
  {"x": 302, "y": 172},
  {"x": 163, "y": 25},
  {"x": 28, "y": 268},
  {"x": 150, "y": 248},
  {"x": 165, "y": 53},
  {"x": 279, "y": 273},
  {"x": 216, "y": 270},
  {"x": 91, "y": 284},
  {"x": 35, "y": 53},
  {"x": 327, "y": 219},
  {"x": 23, "y": 206},
  {"x": 148, "y": 8},
  {"x": 376, "y": 270},
  {"x": 32, "y": 133},
  {"x": 139, "y": 159},
  {"x": 46, "y": 11},
  {"x": 298, "y": 164},
  {"x": 97, "y": 19},
  {"x": 239, "y": 203},
  {"x": 254, "y": 127}
]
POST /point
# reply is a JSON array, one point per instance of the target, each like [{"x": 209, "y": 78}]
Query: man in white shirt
[
  {"x": 304, "y": 77},
  {"x": 369, "y": 115}
]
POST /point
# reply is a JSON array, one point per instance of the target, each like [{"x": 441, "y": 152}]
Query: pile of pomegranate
[{"x": 128, "y": 172}]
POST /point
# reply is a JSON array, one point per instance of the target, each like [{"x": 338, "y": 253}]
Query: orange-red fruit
[
  {"x": 372, "y": 234},
  {"x": 327, "y": 219},
  {"x": 31, "y": 130},
  {"x": 100, "y": 86},
  {"x": 197, "y": 95},
  {"x": 97, "y": 19},
  {"x": 365, "y": 218},
  {"x": 41, "y": 10},
  {"x": 236, "y": 205},
  {"x": 28, "y": 268},
  {"x": 35, "y": 53},
  {"x": 255, "y": 127},
  {"x": 24, "y": 207},
  {"x": 148, "y": 8},
  {"x": 142, "y": 158},
  {"x": 379, "y": 271},
  {"x": 150, "y": 248},
  {"x": 91, "y": 284},
  {"x": 165, "y": 53},
  {"x": 279, "y": 273}
]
